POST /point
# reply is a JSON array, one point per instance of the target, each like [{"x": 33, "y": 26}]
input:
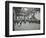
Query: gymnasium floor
[{"x": 26, "y": 26}]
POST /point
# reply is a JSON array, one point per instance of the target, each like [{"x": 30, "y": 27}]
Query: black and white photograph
[{"x": 24, "y": 18}]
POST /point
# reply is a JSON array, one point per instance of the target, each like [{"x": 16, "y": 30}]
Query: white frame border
[{"x": 11, "y": 5}]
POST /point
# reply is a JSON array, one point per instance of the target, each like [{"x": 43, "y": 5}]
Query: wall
[{"x": 2, "y": 19}]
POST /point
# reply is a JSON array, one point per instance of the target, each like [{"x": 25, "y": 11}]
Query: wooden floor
[{"x": 26, "y": 26}]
